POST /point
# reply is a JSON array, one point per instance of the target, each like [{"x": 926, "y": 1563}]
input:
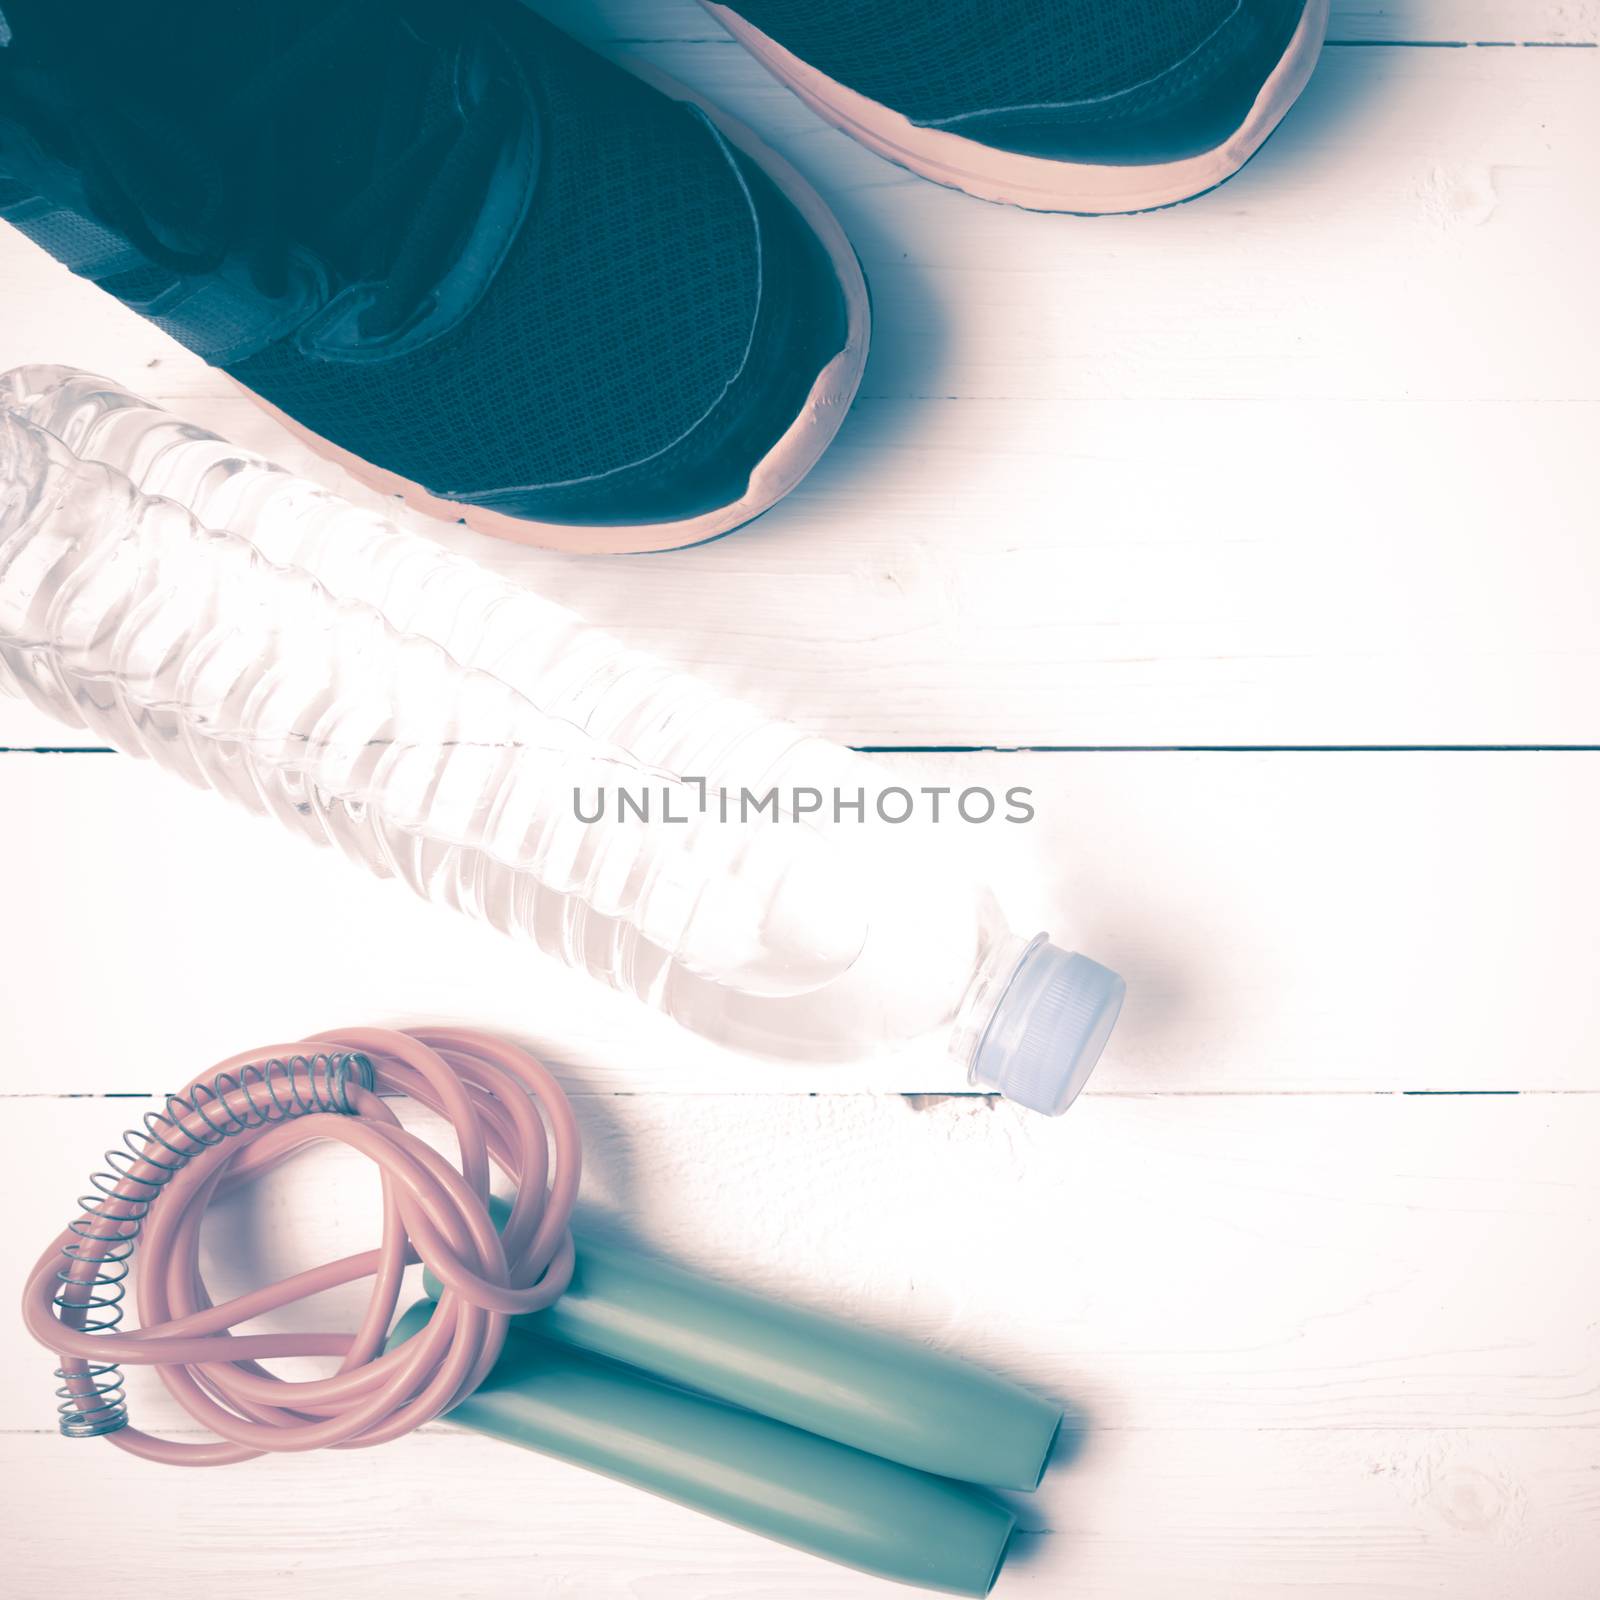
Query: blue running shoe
[
  {"x": 1089, "y": 106},
  {"x": 479, "y": 265}
]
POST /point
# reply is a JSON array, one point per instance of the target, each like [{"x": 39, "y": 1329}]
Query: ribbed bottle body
[
  {"x": 441, "y": 723},
  {"x": 669, "y": 720},
  {"x": 120, "y": 612}
]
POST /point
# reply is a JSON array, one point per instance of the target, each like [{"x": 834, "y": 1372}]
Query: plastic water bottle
[
  {"x": 744, "y": 907},
  {"x": 121, "y": 613}
]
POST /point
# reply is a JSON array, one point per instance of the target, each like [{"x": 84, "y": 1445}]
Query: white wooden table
[{"x": 1260, "y": 537}]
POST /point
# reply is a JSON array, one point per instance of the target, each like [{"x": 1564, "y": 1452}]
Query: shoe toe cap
[{"x": 1192, "y": 106}]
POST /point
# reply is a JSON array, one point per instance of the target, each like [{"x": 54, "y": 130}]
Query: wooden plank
[
  {"x": 1104, "y": 492},
  {"x": 1215, "y": 1516},
  {"x": 1356, "y": 258},
  {"x": 1464, "y": 21},
  {"x": 1323, "y": 1265},
  {"x": 952, "y": 575},
  {"x": 1286, "y": 922},
  {"x": 1317, "y": 1341}
]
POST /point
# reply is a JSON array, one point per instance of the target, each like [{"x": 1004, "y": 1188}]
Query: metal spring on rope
[{"x": 92, "y": 1398}]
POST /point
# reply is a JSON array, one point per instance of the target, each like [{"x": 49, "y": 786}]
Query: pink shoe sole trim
[{"x": 1034, "y": 182}]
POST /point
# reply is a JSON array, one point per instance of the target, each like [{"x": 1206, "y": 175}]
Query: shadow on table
[{"x": 1319, "y": 130}]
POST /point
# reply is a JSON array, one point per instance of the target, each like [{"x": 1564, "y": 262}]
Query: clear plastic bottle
[
  {"x": 800, "y": 937},
  {"x": 120, "y": 612}
]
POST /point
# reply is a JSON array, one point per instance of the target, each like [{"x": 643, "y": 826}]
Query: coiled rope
[{"x": 229, "y": 1126}]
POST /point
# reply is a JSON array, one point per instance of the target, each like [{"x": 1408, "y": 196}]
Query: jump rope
[
  {"x": 865, "y": 1449},
  {"x": 234, "y": 1123}
]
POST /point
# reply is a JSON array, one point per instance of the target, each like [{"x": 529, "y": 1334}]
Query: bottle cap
[{"x": 1049, "y": 1028}]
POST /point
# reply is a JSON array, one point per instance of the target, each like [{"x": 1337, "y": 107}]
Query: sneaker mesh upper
[
  {"x": 622, "y": 311},
  {"x": 933, "y": 60},
  {"x": 626, "y": 304}
]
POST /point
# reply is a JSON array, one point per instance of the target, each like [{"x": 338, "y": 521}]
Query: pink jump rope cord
[{"x": 235, "y": 1122}]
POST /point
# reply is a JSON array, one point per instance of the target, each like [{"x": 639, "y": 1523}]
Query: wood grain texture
[
  {"x": 1213, "y": 1262},
  {"x": 1215, "y": 1516},
  {"x": 1309, "y": 1344},
  {"x": 1285, "y": 923},
  {"x": 1306, "y": 463},
  {"x": 986, "y": 587},
  {"x": 1260, "y": 470},
  {"x": 1408, "y": 189}
]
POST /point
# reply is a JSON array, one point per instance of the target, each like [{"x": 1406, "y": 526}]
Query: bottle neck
[{"x": 989, "y": 983}]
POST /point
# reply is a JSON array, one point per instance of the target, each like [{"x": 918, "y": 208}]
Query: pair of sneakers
[{"x": 564, "y": 302}]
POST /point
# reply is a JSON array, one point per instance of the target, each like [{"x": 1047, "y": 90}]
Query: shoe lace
[{"x": 191, "y": 186}]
